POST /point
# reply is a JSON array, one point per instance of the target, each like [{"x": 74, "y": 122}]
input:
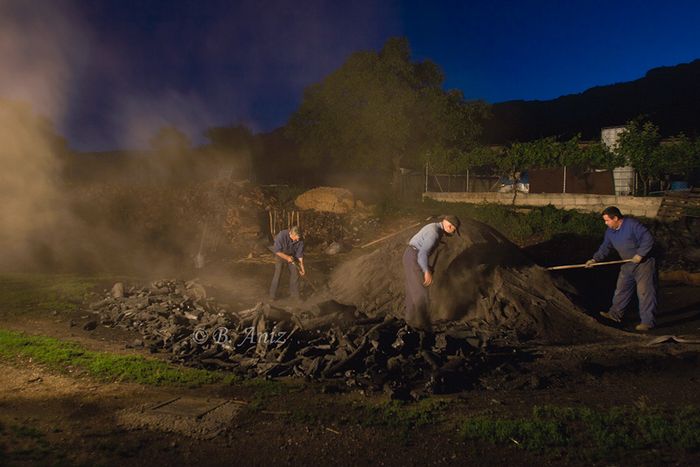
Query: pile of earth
[{"x": 480, "y": 279}]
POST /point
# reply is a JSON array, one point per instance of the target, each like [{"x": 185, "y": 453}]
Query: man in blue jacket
[
  {"x": 289, "y": 250},
  {"x": 417, "y": 272},
  {"x": 632, "y": 241}
]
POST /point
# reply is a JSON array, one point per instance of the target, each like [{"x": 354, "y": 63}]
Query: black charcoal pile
[
  {"x": 327, "y": 341},
  {"x": 678, "y": 244}
]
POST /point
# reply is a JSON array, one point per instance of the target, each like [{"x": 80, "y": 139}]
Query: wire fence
[{"x": 622, "y": 181}]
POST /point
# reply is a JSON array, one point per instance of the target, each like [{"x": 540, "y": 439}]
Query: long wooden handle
[
  {"x": 395, "y": 233},
  {"x": 390, "y": 235},
  {"x": 573, "y": 266}
]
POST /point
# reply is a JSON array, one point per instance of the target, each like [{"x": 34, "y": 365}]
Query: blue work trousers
[
  {"x": 416, "y": 293},
  {"x": 293, "y": 278},
  {"x": 641, "y": 277}
]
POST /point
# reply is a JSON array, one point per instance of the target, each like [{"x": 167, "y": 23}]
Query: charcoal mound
[
  {"x": 326, "y": 342},
  {"x": 481, "y": 279}
]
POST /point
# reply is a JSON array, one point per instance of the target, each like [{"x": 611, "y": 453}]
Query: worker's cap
[{"x": 454, "y": 220}]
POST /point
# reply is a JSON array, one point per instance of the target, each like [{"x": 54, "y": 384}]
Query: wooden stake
[{"x": 270, "y": 224}]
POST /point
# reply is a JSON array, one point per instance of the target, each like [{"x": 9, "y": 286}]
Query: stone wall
[{"x": 635, "y": 206}]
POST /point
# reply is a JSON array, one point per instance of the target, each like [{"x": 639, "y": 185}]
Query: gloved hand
[
  {"x": 590, "y": 263},
  {"x": 636, "y": 259}
]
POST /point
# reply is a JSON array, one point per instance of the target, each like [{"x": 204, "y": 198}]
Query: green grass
[
  {"x": 26, "y": 431},
  {"x": 403, "y": 419},
  {"x": 593, "y": 434},
  {"x": 391, "y": 414},
  {"x": 61, "y": 355},
  {"x": 396, "y": 414},
  {"x": 27, "y": 443},
  {"x": 39, "y": 293},
  {"x": 263, "y": 390},
  {"x": 23, "y": 294}
]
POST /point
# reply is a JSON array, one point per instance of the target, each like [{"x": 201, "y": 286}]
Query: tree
[
  {"x": 548, "y": 152},
  {"x": 640, "y": 146},
  {"x": 680, "y": 156},
  {"x": 170, "y": 140},
  {"x": 232, "y": 149},
  {"x": 172, "y": 151},
  {"x": 382, "y": 111},
  {"x": 234, "y": 138}
]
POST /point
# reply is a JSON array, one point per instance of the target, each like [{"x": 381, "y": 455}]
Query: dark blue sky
[{"x": 119, "y": 69}]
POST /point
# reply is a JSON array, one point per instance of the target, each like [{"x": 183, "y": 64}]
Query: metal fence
[
  {"x": 625, "y": 182},
  {"x": 415, "y": 183}
]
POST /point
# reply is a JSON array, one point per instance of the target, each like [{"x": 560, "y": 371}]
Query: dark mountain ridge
[{"x": 668, "y": 96}]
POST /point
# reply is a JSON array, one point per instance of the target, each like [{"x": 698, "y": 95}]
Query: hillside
[{"x": 668, "y": 96}]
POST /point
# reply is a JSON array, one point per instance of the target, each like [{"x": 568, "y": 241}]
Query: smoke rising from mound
[
  {"x": 40, "y": 45},
  {"x": 30, "y": 198}
]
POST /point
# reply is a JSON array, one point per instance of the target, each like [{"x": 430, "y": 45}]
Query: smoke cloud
[{"x": 39, "y": 48}]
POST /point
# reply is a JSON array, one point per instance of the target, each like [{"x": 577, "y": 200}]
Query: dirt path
[
  {"x": 67, "y": 418},
  {"x": 52, "y": 418}
]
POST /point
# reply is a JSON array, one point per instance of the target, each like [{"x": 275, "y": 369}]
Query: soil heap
[{"x": 481, "y": 279}]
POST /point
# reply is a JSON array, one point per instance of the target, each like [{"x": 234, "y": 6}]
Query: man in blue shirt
[
  {"x": 288, "y": 248},
  {"x": 417, "y": 272},
  {"x": 632, "y": 241}
]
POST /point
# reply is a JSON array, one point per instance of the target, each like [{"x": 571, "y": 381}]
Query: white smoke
[{"x": 39, "y": 46}]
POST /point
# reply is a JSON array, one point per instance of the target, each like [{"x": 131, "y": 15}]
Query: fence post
[
  {"x": 426, "y": 178},
  {"x": 564, "y": 184}
]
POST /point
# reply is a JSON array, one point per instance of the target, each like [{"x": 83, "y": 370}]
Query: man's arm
[
  {"x": 279, "y": 246},
  {"x": 429, "y": 242},
  {"x": 605, "y": 248},
  {"x": 646, "y": 241},
  {"x": 284, "y": 256},
  {"x": 299, "y": 253}
]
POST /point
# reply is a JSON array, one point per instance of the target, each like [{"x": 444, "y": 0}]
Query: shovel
[
  {"x": 296, "y": 265},
  {"x": 199, "y": 260},
  {"x": 313, "y": 287},
  {"x": 574, "y": 266}
]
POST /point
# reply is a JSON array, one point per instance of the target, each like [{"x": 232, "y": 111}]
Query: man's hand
[
  {"x": 636, "y": 259},
  {"x": 290, "y": 259},
  {"x": 302, "y": 271},
  {"x": 427, "y": 278},
  {"x": 590, "y": 263}
]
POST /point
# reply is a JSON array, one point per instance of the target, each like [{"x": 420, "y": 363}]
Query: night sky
[{"x": 110, "y": 72}]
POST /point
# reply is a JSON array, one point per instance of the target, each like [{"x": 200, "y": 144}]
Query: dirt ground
[{"x": 51, "y": 418}]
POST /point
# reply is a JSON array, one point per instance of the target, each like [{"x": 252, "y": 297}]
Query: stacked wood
[
  {"x": 678, "y": 204},
  {"x": 677, "y": 244},
  {"x": 326, "y": 199},
  {"x": 324, "y": 228}
]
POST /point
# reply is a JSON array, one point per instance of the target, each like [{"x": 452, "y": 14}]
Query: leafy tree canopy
[
  {"x": 170, "y": 141},
  {"x": 549, "y": 152},
  {"x": 232, "y": 138},
  {"x": 380, "y": 110}
]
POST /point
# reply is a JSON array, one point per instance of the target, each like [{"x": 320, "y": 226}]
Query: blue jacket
[
  {"x": 632, "y": 238},
  {"x": 284, "y": 243},
  {"x": 425, "y": 241}
]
